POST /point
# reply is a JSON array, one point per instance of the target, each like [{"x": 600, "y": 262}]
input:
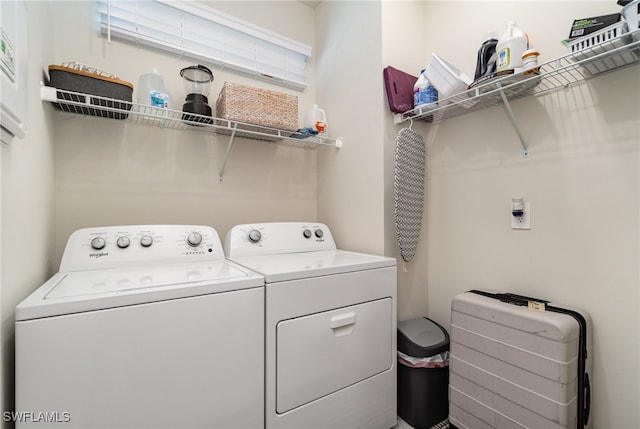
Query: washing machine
[
  {"x": 330, "y": 327},
  {"x": 142, "y": 327}
]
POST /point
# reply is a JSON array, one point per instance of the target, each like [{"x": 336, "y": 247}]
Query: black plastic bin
[{"x": 423, "y": 399}]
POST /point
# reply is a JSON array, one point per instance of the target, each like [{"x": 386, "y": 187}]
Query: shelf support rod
[
  {"x": 512, "y": 118},
  {"x": 226, "y": 155}
]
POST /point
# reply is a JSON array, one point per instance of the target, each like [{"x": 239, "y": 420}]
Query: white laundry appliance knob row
[{"x": 194, "y": 239}]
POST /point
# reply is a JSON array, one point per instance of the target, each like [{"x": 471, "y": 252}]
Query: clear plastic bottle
[
  {"x": 510, "y": 48},
  {"x": 423, "y": 92},
  {"x": 151, "y": 90}
]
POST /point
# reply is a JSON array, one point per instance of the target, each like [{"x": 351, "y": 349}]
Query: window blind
[{"x": 199, "y": 32}]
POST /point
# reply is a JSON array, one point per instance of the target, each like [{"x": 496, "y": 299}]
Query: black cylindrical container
[
  {"x": 422, "y": 392},
  {"x": 483, "y": 66},
  {"x": 196, "y": 104}
]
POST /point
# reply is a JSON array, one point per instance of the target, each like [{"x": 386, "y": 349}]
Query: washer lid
[
  {"x": 75, "y": 292},
  {"x": 294, "y": 266}
]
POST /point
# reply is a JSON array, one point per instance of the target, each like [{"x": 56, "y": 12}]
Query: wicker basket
[{"x": 266, "y": 109}]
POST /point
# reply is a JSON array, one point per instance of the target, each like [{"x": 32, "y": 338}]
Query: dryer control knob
[
  {"x": 146, "y": 240},
  {"x": 194, "y": 239},
  {"x": 98, "y": 243},
  {"x": 319, "y": 233},
  {"x": 254, "y": 236},
  {"x": 123, "y": 242},
  {"x": 306, "y": 233}
]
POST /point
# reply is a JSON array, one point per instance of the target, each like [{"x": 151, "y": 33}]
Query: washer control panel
[
  {"x": 277, "y": 237},
  {"x": 117, "y": 246}
]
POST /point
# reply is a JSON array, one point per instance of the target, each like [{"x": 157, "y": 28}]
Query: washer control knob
[
  {"x": 146, "y": 240},
  {"x": 319, "y": 233},
  {"x": 123, "y": 242},
  {"x": 254, "y": 236},
  {"x": 98, "y": 243},
  {"x": 306, "y": 233},
  {"x": 194, "y": 239}
]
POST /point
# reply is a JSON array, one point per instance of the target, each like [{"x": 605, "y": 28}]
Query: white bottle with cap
[
  {"x": 510, "y": 48},
  {"x": 316, "y": 119}
]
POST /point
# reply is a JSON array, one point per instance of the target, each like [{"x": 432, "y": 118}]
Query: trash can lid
[{"x": 422, "y": 337}]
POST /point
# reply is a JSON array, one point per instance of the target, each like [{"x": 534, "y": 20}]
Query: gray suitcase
[{"x": 518, "y": 362}]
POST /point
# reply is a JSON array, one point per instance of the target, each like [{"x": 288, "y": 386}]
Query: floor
[{"x": 404, "y": 425}]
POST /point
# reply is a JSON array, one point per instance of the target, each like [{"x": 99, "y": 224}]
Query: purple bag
[{"x": 399, "y": 87}]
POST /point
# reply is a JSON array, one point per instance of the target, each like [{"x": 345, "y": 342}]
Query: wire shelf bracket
[
  {"x": 226, "y": 155},
  {"x": 514, "y": 123}
]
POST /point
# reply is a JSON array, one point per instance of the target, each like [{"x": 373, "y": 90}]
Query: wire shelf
[
  {"x": 559, "y": 73},
  {"x": 104, "y": 107}
]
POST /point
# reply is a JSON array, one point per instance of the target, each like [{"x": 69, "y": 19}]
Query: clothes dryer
[
  {"x": 142, "y": 327},
  {"x": 330, "y": 327}
]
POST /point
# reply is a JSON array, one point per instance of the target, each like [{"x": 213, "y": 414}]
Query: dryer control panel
[
  {"x": 119, "y": 246},
  {"x": 274, "y": 238}
]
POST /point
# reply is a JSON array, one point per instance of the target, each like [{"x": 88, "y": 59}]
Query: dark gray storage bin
[
  {"x": 109, "y": 91},
  {"x": 423, "y": 399}
]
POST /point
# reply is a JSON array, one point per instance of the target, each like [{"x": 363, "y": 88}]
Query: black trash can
[{"x": 423, "y": 373}]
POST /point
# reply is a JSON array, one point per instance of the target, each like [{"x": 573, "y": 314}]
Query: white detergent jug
[
  {"x": 510, "y": 48},
  {"x": 316, "y": 119}
]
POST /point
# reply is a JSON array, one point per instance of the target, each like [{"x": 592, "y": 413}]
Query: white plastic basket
[
  {"x": 631, "y": 14},
  {"x": 447, "y": 79},
  {"x": 592, "y": 41},
  {"x": 602, "y": 41}
]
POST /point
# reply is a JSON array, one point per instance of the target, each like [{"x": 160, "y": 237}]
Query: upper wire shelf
[
  {"x": 93, "y": 105},
  {"x": 559, "y": 73}
]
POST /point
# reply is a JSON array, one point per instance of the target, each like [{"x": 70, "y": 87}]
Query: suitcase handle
[
  {"x": 510, "y": 298},
  {"x": 587, "y": 400}
]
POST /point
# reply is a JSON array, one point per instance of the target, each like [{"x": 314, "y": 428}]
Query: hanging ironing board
[{"x": 408, "y": 190}]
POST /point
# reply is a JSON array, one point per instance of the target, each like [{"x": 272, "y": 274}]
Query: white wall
[
  {"x": 111, "y": 172},
  {"x": 3, "y": 360},
  {"x": 351, "y": 180},
  {"x": 27, "y": 213},
  {"x": 402, "y": 23},
  {"x": 581, "y": 177}
]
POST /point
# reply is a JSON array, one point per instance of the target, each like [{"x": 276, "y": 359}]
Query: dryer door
[{"x": 319, "y": 354}]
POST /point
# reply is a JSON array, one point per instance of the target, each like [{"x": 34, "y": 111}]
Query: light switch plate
[{"x": 524, "y": 221}]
